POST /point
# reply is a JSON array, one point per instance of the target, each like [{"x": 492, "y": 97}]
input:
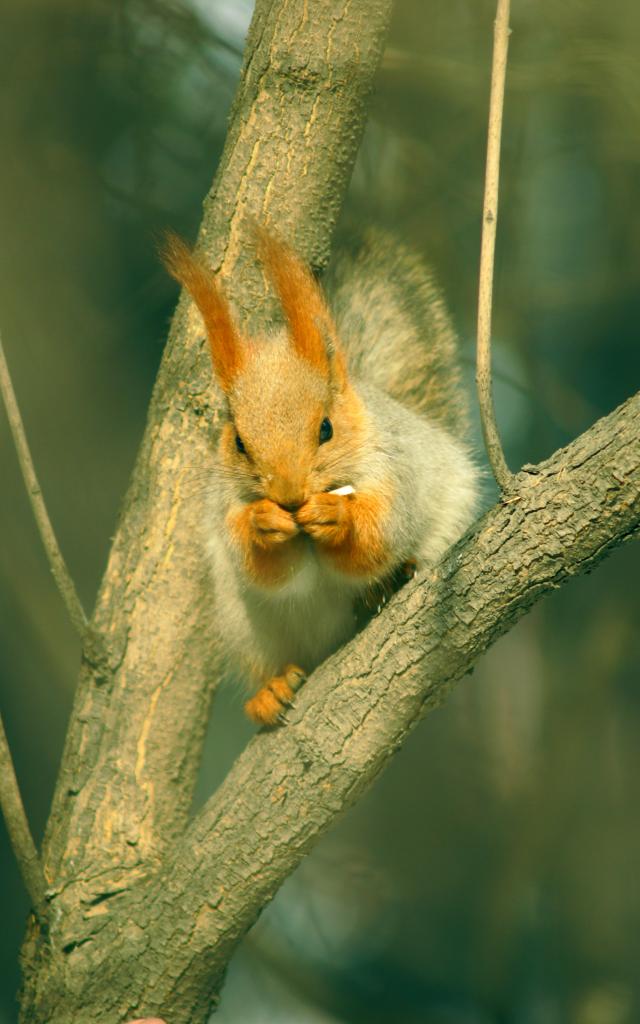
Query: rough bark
[
  {"x": 145, "y": 910},
  {"x": 141, "y": 707}
]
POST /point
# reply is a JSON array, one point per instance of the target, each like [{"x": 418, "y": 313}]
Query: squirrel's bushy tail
[{"x": 395, "y": 328}]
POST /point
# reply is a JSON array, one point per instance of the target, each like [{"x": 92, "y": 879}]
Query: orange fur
[
  {"x": 266, "y": 536},
  {"x": 264, "y": 708},
  {"x": 347, "y": 528},
  {"x": 311, "y": 324},
  {"x": 198, "y": 279},
  {"x": 271, "y": 700}
]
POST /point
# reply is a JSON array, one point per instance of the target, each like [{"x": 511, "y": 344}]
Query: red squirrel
[{"x": 340, "y": 458}]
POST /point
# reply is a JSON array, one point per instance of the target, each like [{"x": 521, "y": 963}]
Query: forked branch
[{"x": 10, "y": 799}]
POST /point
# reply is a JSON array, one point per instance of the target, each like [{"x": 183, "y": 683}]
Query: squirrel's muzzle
[{"x": 287, "y": 492}]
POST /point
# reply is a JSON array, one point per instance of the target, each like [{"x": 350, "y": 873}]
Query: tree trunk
[{"x": 142, "y": 703}]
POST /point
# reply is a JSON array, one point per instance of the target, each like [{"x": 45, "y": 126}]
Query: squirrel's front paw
[
  {"x": 270, "y": 702},
  {"x": 271, "y": 524},
  {"x": 326, "y": 518}
]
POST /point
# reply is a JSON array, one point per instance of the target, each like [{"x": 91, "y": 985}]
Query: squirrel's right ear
[{"x": 192, "y": 274}]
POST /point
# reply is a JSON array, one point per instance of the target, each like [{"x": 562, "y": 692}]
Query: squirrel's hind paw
[{"x": 272, "y": 699}]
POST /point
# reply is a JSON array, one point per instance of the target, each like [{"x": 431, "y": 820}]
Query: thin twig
[
  {"x": 57, "y": 563},
  {"x": 18, "y": 829},
  {"x": 487, "y": 249}
]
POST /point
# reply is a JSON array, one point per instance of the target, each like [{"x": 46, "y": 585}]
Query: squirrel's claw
[{"x": 269, "y": 705}]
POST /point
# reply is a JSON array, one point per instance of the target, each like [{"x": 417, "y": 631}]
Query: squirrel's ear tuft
[
  {"x": 199, "y": 280},
  {"x": 302, "y": 302}
]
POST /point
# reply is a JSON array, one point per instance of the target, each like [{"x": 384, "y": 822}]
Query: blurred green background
[{"x": 492, "y": 874}]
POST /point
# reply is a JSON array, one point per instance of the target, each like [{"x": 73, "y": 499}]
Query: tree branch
[
  {"x": 57, "y": 563},
  {"x": 20, "y": 836},
  {"x": 501, "y": 471},
  {"x": 563, "y": 516}
]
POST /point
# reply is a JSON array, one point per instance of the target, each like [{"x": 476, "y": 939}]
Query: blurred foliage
[{"x": 491, "y": 875}]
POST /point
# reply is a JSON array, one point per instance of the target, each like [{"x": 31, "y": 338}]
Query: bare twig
[
  {"x": 57, "y": 563},
  {"x": 18, "y": 829},
  {"x": 487, "y": 249}
]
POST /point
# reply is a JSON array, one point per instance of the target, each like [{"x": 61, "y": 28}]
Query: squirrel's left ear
[{"x": 313, "y": 331}]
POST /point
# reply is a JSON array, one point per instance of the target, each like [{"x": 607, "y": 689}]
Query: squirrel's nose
[{"x": 288, "y": 493}]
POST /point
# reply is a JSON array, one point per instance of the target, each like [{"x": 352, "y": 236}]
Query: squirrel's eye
[
  {"x": 240, "y": 446},
  {"x": 326, "y": 430}
]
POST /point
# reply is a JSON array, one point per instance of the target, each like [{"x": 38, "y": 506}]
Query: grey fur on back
[{"x": 394, "y": 325}]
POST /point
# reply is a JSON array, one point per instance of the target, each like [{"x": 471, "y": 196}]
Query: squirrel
[{"x": 341, "y": 459}]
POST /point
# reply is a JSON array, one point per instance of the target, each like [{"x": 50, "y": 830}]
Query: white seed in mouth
[{"x": 347, "y": 489}]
